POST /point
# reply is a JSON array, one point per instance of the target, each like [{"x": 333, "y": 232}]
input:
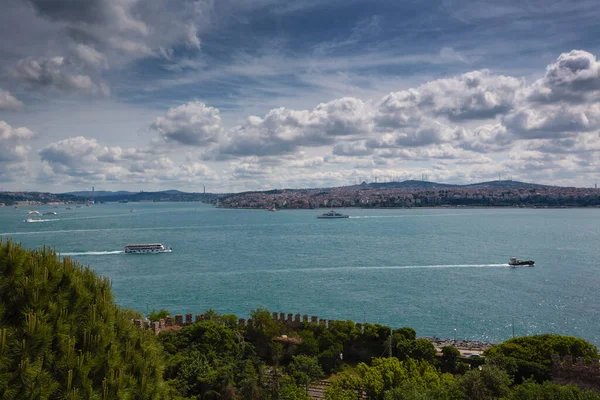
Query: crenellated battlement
[
  {"x": 293, "y": 321},
  {"x": 576, "y": 371}
]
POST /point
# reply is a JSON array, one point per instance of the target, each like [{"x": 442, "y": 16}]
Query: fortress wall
[{"x": 290, "y": 320}]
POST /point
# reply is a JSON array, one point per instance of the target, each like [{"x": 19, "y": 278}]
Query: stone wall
[{"x": 293, "y": 321}]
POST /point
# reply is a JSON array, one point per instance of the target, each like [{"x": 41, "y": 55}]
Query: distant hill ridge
[
  {"x": 105, "y": 193},
  {"x": 415, "y": 184},
  {"x": 408, "y": 184}
]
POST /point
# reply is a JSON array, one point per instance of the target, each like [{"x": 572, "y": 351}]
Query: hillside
[
  {"x": 413, "y": 193},
  {"x": 10, "y": 198},
  {"x": 100, "y": 193},
  {"x": 163, "y": 195},
  {"x": 415, "y": 184}
]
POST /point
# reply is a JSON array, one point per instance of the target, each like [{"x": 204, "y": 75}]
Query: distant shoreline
[{"x": 409, "y": 208}]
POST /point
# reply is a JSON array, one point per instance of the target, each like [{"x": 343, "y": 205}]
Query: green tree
[
  {"x": 540, "y": 348},
  {"x": 450, "y": 356},
  {"x": 486, "y": 384},
  {"x": 309, "y": 345},
  {"x": 406, "y": 333},
  {"x": 291, "y": 390},
  {"x": 305, "y": 370},
  {"x": 418, "y": 349},
  {"x": 262, "y": 332},
  {"x": 208, "y": 359},
  {"x": 423, "y": 349},
  {"x": 531, "y": 356},
  {"x": 158, "y": 315},
  {"x": 389, "y": 378},
  {"x": 63, "y": 336},
  {"x": 530, "y": 390}
]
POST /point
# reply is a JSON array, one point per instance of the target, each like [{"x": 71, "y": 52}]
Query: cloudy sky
[{"x": 258, "y": 94}]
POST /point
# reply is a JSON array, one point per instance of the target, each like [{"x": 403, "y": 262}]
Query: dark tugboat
[{"x": 518, "y": 263}]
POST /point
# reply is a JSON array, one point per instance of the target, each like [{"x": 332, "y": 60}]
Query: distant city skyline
[{"x": 262, "y": 94}]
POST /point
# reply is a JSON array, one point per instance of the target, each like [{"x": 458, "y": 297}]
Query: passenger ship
[
  {"x": 147, "y": 248},
  {"x": 332, "y": 215}
]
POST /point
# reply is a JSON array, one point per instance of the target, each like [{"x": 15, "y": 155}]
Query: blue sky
[{"x": 237, "y": 95}]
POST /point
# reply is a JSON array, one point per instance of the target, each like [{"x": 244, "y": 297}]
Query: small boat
[
  {"x": 50, "y": 213},
  {"x": 518, "y": 263},
  {"x": 35, "y": 219},
  {"x": 332, "y": 215},
  {"x": 68, "y": 208},
  {"x": 272, "y": 209},
  {"x": 147, "y": 248},
  {"x": 34, "y": 212}
]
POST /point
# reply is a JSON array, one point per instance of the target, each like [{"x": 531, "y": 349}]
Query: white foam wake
[
  {"x": 356, "y": 268},
  {"x": 92, "y": 253},
  {"x": 437, "y": 266},
  {"x": 413, "y": 215},
  {"x": 391, "y": 267}
]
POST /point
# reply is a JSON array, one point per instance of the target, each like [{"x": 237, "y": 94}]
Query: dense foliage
[
  {"x": 530, "y": 356},
  {"x": 392, "y": 379},
  {"x": 62, "y": 336}
]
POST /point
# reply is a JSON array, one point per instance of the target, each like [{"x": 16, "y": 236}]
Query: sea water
[{"x": 435, "y": 270}]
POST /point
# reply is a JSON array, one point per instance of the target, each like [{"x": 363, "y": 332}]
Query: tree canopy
[
  {"x": 540, "y": 348},
  {"x": 63, "y": 336}
]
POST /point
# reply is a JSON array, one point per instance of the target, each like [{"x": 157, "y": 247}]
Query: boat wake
[
  {"x": 436, "y": 266},
  {"x": 392, "y": 267},
  {"x": 92, "y": 253},
  {"x": 412, "y": 215},
  {"x": 350, "y": 269}
]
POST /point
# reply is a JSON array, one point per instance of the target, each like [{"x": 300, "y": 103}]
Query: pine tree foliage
[{"x": 63, "y": 337}]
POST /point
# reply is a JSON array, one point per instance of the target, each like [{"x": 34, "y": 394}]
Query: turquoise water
[{"x": 432, "y": 269}]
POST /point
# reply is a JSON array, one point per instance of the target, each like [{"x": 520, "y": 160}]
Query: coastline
[{"x": 265, "y": 208}]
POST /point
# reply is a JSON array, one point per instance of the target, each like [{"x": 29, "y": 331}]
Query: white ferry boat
[
  {"x": 146, "y": 248},
  {"x": 34, "y": 219},
  {"x": 332, "y": 214}
]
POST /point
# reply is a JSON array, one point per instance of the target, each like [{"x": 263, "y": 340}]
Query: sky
[{"x": 242, "y": 95}]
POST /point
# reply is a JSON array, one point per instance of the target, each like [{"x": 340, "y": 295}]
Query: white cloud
[
  {"x": 14, "y": 149},
  {"x": 9, "y": 102},
  {"x": 358, "y": 148},
  {"x": 283, "y": 131},
  {"x": 191, "y": 36},
  {"x": 471, "y": 96},
  {"x": 90, "y": 56},
  {"x": 486, "y": 139},
  {"x": 192, "y": 124},
  {"x": 56, "y": 73},
  {"x": 574, "y": 77},
  {"x": 580, "y": 144},
  {"x": 80, "y": 159},
  {"x": 553, "y": 121},
  {"x": 14, "y": 142}
]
